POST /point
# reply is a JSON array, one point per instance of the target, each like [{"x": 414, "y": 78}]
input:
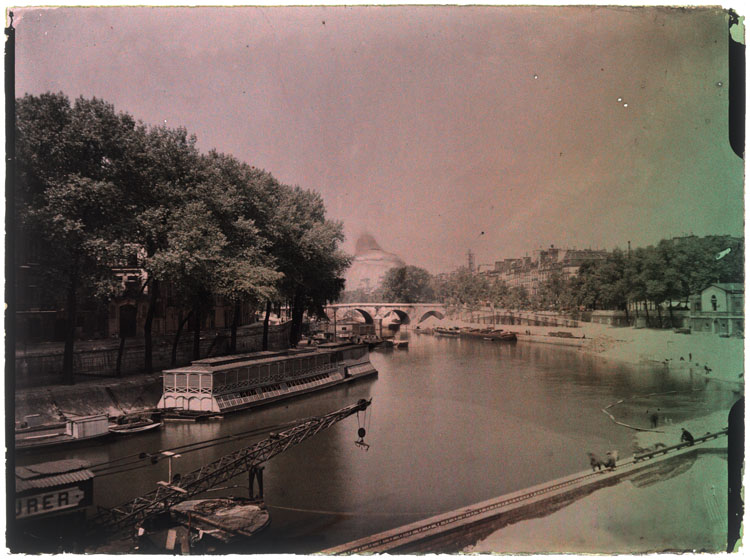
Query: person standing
[{"x": 687, "y": 437}]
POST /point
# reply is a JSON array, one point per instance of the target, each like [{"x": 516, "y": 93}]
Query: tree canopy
[
  {"x": 408, "y": 284},
  {"x": 94, "y": 186}
]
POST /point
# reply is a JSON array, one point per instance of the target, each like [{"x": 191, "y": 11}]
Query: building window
[{"x": 713, "y": 302}]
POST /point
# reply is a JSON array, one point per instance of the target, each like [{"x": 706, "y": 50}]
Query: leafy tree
[
  {"x": 518, "y": 298},
  {"x": 408, "y": 284},
  {"x": 306, "y": 247},
  {"x": 499, "y": 293},
  {"x": 465, "y": 288},
  {"x": 165, "y": 170},
  {"x": 361, "y": 295},
  {"x": 246, "y": 271},
  {"x": 190, "y": 257},
  {"x": 70, "y": 195},
  {"x": 552, "y": 294}
]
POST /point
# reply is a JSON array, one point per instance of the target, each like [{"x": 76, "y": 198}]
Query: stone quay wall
[{"x": 42, "y": 364}]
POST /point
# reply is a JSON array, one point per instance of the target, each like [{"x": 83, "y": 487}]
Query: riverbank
[
  {"x": 40, "y": 364},
  {"x": 113, "y": 397},
  {"x": 712, "y": 356}
]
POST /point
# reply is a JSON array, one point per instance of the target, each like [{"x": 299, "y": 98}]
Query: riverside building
[{"x": 531, "y": 271}]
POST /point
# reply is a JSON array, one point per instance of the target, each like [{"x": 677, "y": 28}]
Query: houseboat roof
[
  {"x": 214, "y": 365},
  {"x": 52, "y": 473},
  {"x": 337, "y": 345},
  {"x": 76, "y": 418},
  {"x": 234, "y": 358}
]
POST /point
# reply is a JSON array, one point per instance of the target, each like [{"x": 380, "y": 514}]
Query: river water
[{"x": 452, "y": 422}]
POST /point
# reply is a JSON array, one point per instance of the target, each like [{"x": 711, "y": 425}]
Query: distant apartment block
[{"x": 530, "y": 271}]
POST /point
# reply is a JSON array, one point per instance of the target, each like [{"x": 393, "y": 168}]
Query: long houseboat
[{"x": 229, "y": 383}]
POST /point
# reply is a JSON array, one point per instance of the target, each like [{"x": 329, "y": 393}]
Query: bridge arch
[
  {"x": 368, "y": 318},
  {"x": 433, "y": 313},
  {"x": 403, "y": 316}
]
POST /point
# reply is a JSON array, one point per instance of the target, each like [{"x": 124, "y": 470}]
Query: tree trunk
[
  {"x": 265, "y": 325},
  {"x": 648, "y": 319},
  {"x": 147, "y": 338},
  {"x": 180, "y": 327},
  {"x": 198, "y": 314},
  {"x": 235, "y": 324},
  {"x": 298, "y": 310},
  {"x": 671, "y": 316},
  {"x": 120, "y": 351},
  {"x": 658, "y": 314},
  {"x": 70, "y": 329}
]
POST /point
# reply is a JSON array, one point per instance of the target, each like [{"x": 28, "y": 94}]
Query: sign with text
[{"x": 38, "y": 504}]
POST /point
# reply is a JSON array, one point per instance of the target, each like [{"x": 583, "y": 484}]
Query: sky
[{"x": 436, "y": 129}]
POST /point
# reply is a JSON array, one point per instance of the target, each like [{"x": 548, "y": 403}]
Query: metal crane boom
[{"x": 217, "y": 472}]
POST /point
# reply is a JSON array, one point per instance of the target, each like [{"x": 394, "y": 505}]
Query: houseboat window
[
  {"x": 169, "y": 380},
  {"x": 181, "y": 380},
  {"x": 713, "y": 302},
  {"x": 193, "y": 380},
  {"x": 206, "y": 381}
]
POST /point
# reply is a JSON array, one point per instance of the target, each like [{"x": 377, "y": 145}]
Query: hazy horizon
[{"x": 435, "y": 129}]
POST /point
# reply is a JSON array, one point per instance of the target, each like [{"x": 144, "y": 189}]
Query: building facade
[
  {"x": 530, "y": 271},
  {"x": 41, "y": 315},
  {"x": 719, "y": 309}
]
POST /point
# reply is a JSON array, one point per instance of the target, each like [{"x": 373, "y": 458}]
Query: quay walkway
[{"x": 453, "y": 531}]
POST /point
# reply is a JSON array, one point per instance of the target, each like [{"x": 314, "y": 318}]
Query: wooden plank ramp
[{"x": 454, "y": 530}]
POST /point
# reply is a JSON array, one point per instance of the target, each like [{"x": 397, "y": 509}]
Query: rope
[
  {"x": 637, "y": 429},
  {"x": 604, "y": 410}
]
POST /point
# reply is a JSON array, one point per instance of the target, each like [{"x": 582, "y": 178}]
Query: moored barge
[
  {"x": 230, "y": 383},
  {"x": 498, "y": 335}
]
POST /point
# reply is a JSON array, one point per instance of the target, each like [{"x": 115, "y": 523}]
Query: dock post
[
  {"x": 253, "y": 474},
  {"x": 260, "y": 482}
]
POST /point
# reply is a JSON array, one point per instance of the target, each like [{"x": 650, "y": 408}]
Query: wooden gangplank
[{"x": 450, "y": 531}]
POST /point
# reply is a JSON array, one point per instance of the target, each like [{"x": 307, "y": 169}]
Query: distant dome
[
  {"x": 365, "y": 243},
  {"x": 370, "y": 265}
]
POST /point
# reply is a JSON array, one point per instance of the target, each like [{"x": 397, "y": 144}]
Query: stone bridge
[
  {"x": 415, "y": 313},
  {"x": 406, "y": 313}
]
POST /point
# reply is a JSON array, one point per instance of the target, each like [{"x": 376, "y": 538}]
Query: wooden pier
[{"x": 453, "y": 531}]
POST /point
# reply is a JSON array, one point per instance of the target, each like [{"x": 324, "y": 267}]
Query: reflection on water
[{"x": 453, "y": 422}]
